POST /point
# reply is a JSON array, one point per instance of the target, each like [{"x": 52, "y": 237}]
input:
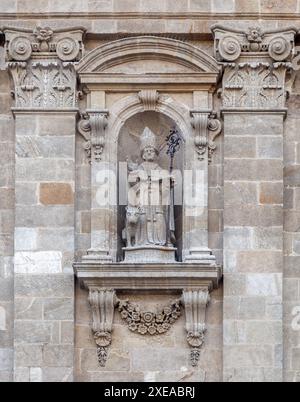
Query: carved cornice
[
  {"x": 91, "y": 127},
  {"x": 256, "y": 63},
  {"x": 206, "y": 127}
]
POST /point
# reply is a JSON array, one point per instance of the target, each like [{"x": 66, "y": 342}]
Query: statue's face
[{"x": 149, "y": 154}]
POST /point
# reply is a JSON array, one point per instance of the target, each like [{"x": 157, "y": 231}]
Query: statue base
[{"x": 149, "y": 254}]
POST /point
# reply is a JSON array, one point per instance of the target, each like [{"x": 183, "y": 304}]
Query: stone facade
[{"x": 79, "y": 83}]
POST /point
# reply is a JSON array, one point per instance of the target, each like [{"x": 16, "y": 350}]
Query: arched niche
[{"x": 129, "y": 153}]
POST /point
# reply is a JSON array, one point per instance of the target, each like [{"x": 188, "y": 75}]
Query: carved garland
[{"x": 149, "y": 323}]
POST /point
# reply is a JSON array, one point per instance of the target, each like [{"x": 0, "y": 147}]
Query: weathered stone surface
[
  {"x": 58, "y": 309},
  {"x": 38, "y": 262},
  {"x": 56, "y": 194}
]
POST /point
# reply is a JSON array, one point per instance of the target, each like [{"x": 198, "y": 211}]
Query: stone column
[
  {"x": 41, "y": 64},
  {"x": 253, "y": 100}
]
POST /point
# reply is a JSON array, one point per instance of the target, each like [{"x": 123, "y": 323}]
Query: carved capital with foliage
[
  {"x": 256, "y": 64},
  {"x": 41, "y": 63}
]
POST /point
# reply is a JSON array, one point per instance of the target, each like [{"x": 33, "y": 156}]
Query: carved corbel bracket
[
  {"x": 149, "y": 99},
  {"x": 102, "y": 303},
  {"x": 195, "y": 303},
  {"x": 207, "y": 128},
  {"x": 91, "y": 127}
]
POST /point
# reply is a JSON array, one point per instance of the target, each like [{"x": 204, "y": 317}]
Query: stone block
[
  {"x": 215, "y": 221},
  {"x": 44, "y": 169},
  {"x": 32, "y": 332},
  {"x": 292, "y": 175},
  {"x": 25, "y": 239},
  {"x": 28, "y": 308},
  {"x": 254, "y": 216},
  {"x": 6, "y": 289},
  {"x": 264, "y": 285},
  {"x": 57, "y": 374},
  {"x": 38, "y": 262},
  {"x": 7, "y": 221},
  {"x": 6, "y": 128},
  {"x": 53, "y": 285},
  {"x": 268, "y": 238},
  {"x": 67, "y": 332},
  {"x": 35, "y": 374},
  {"x": 234, "y": 284},
  {"x": 271, "y": 193},
  {"x": 58, "y": 309},
  {"x": 234, "y": 332},
  {"x": 253, "y": 170},
  {"x": 151, "y": 358},
  {"x": 44, "y": 147},
  {"x": 45, "y": 216},
  {"x": 269, "y": 6},
  {"x": 21, "y": 374},
  {"x": 264, "y": 333},
  {"x": 239, "y": 147},
  {"x": 296, "y": 359},
  {"x": 127, "y": 5},
  {"x": 270, "y": 147},
  {"x": 252, "y": 308},
  {"x": 246, "y": 6},
  {"x": 253, "y": 124},
  {"x": 28, "y": 355},
  {"x": 292, "y": 221},
  {"x": 227, "y": 6},
  {"x": 238, "y": 238},
  {"x": 248, "y": 356},
  {"x": 61, "y": 239},
  {"x": 56, "y": 194},
  {"x": 261, "y": 261},
  {"x": 239, "y": 193},
  {"x": 203, "y": 5},
  {"x": 6, "y": 359},
  {"x": 62, "y": 125},
  {"x": 26, "y": 193},
  {"x": 58, "y": 355}
]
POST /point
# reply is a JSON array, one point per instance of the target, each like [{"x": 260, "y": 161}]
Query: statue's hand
[{"x": 131, "y": 166}]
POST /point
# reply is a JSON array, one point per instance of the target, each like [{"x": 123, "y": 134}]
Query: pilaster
[
  {"x": 256, "y": 65},
  {"x": 42, "y": 67}
]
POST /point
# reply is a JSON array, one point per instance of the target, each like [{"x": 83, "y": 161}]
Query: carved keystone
[
  {"x": 102, "y": 302},
  {"x": 195, "y": 303},
  {"x": 149, "y": 99}
]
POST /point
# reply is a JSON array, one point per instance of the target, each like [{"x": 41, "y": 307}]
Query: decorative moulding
[{"x": 193, "y": 281}]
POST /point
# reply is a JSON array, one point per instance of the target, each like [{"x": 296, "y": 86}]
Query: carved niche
[
  {"x": 255, "y": 66},
  {"x": 41, "y": 63}
]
